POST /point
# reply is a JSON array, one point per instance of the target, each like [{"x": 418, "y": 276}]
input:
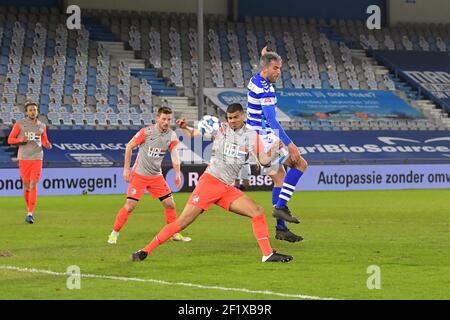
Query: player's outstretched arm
[{"x": 186, "y": 129}]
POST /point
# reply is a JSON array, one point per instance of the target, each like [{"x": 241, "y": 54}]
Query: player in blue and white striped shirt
[{"x": 261, "y": 116}]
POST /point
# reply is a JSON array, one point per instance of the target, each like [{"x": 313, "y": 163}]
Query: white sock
[
  {"x": 115, "y": 233},
  {"x": 264, "y": 258},
  {"x": 30, "y": 213}
]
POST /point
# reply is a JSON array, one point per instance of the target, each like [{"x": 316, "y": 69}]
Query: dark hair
[
  {"x": 30, "y": 104},
  {"x": 165, "y": 110},
  {"x": 269, "y": 56},
  {"x": 234, "y": 107}
]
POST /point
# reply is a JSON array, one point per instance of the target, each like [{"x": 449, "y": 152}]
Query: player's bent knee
[
  {"x": 130, "y": 205},
  {"x": 260, "y": 211},
  {"x": 278, "y": 178},
  {"x": 257, "y": 211},
  {"x": 303, "y": 165},
  {"x": 170, "y": 204}
]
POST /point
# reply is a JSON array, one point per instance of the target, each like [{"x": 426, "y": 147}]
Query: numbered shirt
[
  {"x": 153, "y": 145},
  {"x": 231, "y": 150},
  {"x": 37, "y": 135}
]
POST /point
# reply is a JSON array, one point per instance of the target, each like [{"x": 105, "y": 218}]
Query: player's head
[
  {"x": 164, "y": 118},
  {"x": 31, "y": 110},
  {"x": 235, "y": 116},
  {"x": 271, "y": 66}
]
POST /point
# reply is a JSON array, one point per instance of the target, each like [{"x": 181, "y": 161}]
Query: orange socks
[
  {"x": 25, "y": 196},
  {"x": 164, "y": 235},
  {"x": 121, "y": 218},
  {"x": 32, "y": 196},
  {"x": 171, "y": 215},
  {"x": 262, "y": 234}
]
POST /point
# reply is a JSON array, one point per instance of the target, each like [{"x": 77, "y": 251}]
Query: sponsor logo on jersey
[
  {"x": 32, "y": 136},
  {"x": 268, "y": 101},
  {"x": 156, "y": 152},
  {"x": 234, "y": 151}
]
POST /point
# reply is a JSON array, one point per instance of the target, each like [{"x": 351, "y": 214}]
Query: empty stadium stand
[{"x": 122, "y": 65}]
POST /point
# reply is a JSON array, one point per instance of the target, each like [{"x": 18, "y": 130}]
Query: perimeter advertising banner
[
  {"x": 91, "y": 148},
  {"x": 78, "y": 181},
  {"x": 325, "y": 103}
]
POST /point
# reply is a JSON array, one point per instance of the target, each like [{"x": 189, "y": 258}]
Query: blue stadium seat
[
  {"x": 113, "y": 90},
  {"x": 45, "y": 99},
  {"x": 101, "y": 118},
  {"x": 22, "y": 89},
  {"x": 91, "y": 90},
  {"x": 68, "y": 90}
]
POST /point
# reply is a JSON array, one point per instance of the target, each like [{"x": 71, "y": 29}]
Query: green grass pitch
[{"x": 405, "y": 233}]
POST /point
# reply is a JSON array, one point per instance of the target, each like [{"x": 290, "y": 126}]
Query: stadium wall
[
  {"x": 431, "y": 11},
  {"x": 342, "y": 9},
  {"x": 210, "y": 6}
]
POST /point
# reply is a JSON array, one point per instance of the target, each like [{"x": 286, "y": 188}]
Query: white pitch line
[{"x": 162, "y": 282}]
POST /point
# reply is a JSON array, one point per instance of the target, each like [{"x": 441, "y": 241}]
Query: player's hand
[
  {"x": 126, "y": 175},
  {"x": 264, "y": 51},
  {"x": 177, "y": 181},
  {"x": 24, "y": 139},
  {"x": 294, "y": 154},
  {"x": 181, "y": 123},
  {"x": 48, "y": 146}
]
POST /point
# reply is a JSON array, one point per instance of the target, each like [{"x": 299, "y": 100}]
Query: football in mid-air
[{"x": 208, "y": 124}]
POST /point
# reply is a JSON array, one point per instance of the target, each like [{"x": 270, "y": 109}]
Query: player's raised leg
[
  {"x": 296, "y": 170},
  {"x": 189, "y": 214}
]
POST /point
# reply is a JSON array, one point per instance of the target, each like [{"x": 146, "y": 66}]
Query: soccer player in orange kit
[
  {"x": 153, "y": 142},
  {"x": 31, "y": 135},
  {"x": 231, "y": 148}
]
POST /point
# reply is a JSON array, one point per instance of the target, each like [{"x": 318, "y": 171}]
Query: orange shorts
[
  {"x": 30, "y": 170},
  {"x": 211, "y": 190},
  {"x": 156, "y": 186}
]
